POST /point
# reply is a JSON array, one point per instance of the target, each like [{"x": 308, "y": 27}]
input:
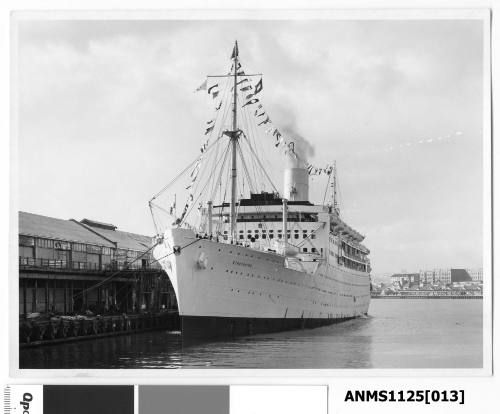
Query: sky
[{"x": 107, "y": 114}]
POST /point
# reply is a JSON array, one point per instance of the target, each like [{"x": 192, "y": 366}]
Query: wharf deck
[{"x": 64, "y": 329}]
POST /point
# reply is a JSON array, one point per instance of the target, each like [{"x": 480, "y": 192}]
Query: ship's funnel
[{"x": 296, "y": 183}]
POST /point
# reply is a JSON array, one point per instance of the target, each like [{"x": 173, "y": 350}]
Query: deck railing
[{"x": 29, "y": 262}]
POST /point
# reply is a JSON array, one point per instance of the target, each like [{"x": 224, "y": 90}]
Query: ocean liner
[{"x": 242, "y": 257}]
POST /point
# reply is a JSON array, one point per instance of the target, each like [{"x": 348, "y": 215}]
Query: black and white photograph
[{"x": 263, "y": 191}]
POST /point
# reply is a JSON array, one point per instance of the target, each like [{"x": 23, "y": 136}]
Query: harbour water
[{"x": 418, "y": 333}]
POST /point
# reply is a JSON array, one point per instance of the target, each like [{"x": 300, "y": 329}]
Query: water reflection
[{"x": 397, "y": 334}]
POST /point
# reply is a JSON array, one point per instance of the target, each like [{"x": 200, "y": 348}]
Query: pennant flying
[
  {"x": 265, "y": 121},
  {"x": 202, "y": 87},
  {"x": 258, "y": 87},
  {"x": 235, "y": 51},
  {"x": 250, "y": 102}
]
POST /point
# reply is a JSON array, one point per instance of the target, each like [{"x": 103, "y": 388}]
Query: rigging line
[
  {"x": 200, "y": 175},
  {"x": 197, "y": 198},
  {"x": 223, "y": 115},
  {"x": 245, "y": 169},
  {"x": 223, "y": 97},
  {"x": 160, "y": 208},
  {"x": 183, "y": 171},
  {"x": 257, "y": 207},
  {"x": 106, "y": 280},
  {"x": 153, "y": 217},
  {"x": 258, "y": 161},
  {"x": 220, "y": 114},
  {"x": 225, "y": 191},
  {"x": 309, "y": 237},
  {"x": 196, "y": 183},
  {"x": 225, "y": 154},
  {"x": 190, "y": 209},
  {"x": 161, "y": 224},
  {"x": 225, "y": 100},
  {"x": 203, "y": 158},
  {"x": 224, "y": 111},
  {"x": 258, "y": 176},
  {"x": 339, "y": 193},
  {"x": 326, "y": 188},
  {"x": 218, "y": 182},
  {"x": 221, "y": 209},
  {"x": 194, "y": 201},
  {"x": 227, "y": 180},
  {"x": 171, "y": 253},
  {"x": 258, "y": 172},
  {"x": 214, "y": 167},
  {"x": 251, "y": 127},
  {"x": 258, "y": 149}
]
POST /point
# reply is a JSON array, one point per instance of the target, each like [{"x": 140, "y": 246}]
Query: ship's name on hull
[{"x": 235, "y": 262}]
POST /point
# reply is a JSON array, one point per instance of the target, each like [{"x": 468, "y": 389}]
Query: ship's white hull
[{"x": 231, "y": 289}]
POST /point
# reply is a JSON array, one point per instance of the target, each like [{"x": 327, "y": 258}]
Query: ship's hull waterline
[
  {"x": 201, "y": 327},
  {"x": 226, "y": 290}
]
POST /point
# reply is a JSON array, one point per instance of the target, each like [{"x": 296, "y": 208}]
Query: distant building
[
  {"x": 449, "y": 275},
  {"x": 460, "y": 275},
  {"x": 435, "y": 276},
  {"x": 69, "y": 266},
  {"x": 476, "y": 274},
  {"x": 406, "y": 279}
]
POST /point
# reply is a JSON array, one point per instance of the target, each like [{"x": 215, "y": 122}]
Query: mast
[
  {"x": 234, "y": 138},
  {"x": 335, "y": 199},
  {"x": 285, "y": 224}
]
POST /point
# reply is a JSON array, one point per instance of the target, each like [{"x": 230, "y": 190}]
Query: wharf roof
[
  {"x": 123, "y": 239},
  {"x": 58, "y": 229},
  {"x": 100, "y": 224}
]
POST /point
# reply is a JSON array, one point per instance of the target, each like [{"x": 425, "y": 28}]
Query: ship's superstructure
[{"x": 260, "y": 261}]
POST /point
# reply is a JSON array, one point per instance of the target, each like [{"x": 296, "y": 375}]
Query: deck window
[
  {"x": 45, "y": 243},
  {"x": 61, "y": 245},
  {"x": 93, "y": 249}
]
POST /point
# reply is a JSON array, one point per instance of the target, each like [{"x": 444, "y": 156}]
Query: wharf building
[
  {"x": 71, "y": 267},
  {"x": 406, "y": 279},
  {"x": 451, "y": 275},
  {"x": 445, "y": 276}
]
